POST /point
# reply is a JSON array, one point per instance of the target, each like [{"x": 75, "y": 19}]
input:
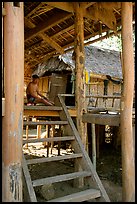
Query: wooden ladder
[{"x": 84, "y": 173}]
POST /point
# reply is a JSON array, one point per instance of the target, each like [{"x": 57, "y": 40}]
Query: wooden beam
[
  {"x": 43, "y": 9},
  {"x": 85, "y": 5},
  {"x": 33, "y": 10},
  {"x": 12, "y": 122},
  {"x": 101, "y": 119},
  {"x": 66, "y": 6},
  {"x": 69, "y": 45},
  {"x": 102, "y": 12},
  {"x": 103, "y": 96},
  {"x": 36, "y": 45},
  {"x": 128, "y": 157},
  {"x": 62, "y": 15},
  {"x": 48, "y": 113},
  {"x": 52, "y": 43},
  {"x": 29, "y": 23}
]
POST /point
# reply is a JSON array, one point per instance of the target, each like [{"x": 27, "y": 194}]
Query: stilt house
[{"x": 33, "y": 32}]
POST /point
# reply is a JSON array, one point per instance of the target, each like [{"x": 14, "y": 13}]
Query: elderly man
[{"x": 33, "y": 94}]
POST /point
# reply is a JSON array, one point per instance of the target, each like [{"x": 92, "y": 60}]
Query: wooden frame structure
[{"x": 13, "y": 34}]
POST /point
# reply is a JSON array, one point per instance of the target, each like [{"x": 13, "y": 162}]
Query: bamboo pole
[
  {"x": 128, "y": 166},
  {"x": 80, "y": 86},
  {"x": 12, "y": 122}
]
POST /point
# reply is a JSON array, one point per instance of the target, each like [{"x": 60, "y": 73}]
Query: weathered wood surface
[
  {"x": 128, "y": 159},
  {"x": 93, "y": 145},
  {"x": 80, "y": 86},
  {"x": 12, "y": 122},
  {"x": 49, "y": 139},
  {"x": 86, "y": 162},
  {"x": 28, "y": 181},
  {"x": 57, "y": 158},
  {"x": 46, "y": 111},
  {"x": 101, "y": 119},
  {"x": 79, "y": 197},
  {"x": 60, "y": 178},
  {"x": 46, "y": 123},
  {"x": 42, "y": 108},
  {"x": 103, "y": 96}
]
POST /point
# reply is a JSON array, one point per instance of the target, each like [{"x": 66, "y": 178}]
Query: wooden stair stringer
[
  {"x": 26, "y": 174},
  {"x": 86, "y": 159},
  {"x": 87, "y": 171}
]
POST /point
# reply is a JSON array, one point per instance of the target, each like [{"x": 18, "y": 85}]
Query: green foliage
[{"x": 113, "y": 42}]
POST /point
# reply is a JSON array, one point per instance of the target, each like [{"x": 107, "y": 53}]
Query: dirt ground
[{"x": 108, "y": 167}]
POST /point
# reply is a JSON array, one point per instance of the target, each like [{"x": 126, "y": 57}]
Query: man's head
[{"x": 35, "y": 78}]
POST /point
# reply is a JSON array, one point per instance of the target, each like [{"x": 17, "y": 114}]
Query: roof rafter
[
  {"x": 87, "y": 4},
  {"x": 48, "y": 24},
  {"x": 55, "y": 35}
]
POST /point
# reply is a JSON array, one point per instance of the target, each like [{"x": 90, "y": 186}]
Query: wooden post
[
  {"x": 12, "y": 122},
  {"x": 52, "y": 133},
  {"x": 128, "y": 162},
  {"x": 80, "y": 92},
  {"x": 27, "y": 132},
  {"x": 93, "y": 145},
  {"x": 80, "y": 82},
  {"x": 38, "y": 130}
]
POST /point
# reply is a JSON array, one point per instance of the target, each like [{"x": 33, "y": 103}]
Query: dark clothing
[{"x": 30, "y": 98}]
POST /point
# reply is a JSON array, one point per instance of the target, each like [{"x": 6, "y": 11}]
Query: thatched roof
[{"x": 97, "y": 60}]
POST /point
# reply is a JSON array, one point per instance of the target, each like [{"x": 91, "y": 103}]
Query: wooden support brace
[{"x": 52, "y": 43}]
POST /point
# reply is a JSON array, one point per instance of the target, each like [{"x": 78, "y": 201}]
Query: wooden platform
[
  {"x": 47, "y": 110},
  {"x": 102, "y": 119}
]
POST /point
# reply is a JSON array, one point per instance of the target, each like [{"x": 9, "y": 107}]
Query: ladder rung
[
  {"x": 46, "y": 123},
  {"x": 60, "y": 178},
  {"x": 79, "y": 197},
  {"x": 49, "y": 139},
  {"x": 55, "y": 158}
]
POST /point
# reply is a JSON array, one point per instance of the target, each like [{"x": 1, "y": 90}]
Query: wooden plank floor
[{"x": 46, "y": 111}]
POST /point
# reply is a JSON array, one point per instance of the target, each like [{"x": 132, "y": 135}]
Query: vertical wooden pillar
[
  {"x": 80, "y": 75},
  {"x": 128, "y": 163},
  {"x": 93, "y": 145},
  {"x": 38, "y": 130},
  {"x": 12, "y": 122}
]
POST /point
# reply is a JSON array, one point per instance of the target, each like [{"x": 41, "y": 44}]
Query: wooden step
[
  {"x": 40, "y": 108},
  {"x": 60, "y": 178},
  {"x": 78, "y": 197},
  {"x": 55, "y": 158},
  {"x": 46, "y": 123},
  {"x": 49, "y": 139}
]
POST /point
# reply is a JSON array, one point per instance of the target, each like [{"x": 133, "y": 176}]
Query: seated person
[{"x": 33, "y": 94}]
